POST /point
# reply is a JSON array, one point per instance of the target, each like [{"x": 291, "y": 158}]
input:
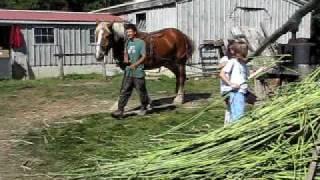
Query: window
[
  {"x": 141, "y": 21},
  {"x": 44, "y": 35},
  {"x": 92, "y": 36}
]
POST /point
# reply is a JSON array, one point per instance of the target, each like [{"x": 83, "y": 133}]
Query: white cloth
[
  {"x": 227, "y": 117},
  {"x": 224, "y": 87},
  {"x": 238, "y": 74}
]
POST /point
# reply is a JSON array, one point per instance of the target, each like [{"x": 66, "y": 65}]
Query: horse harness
[{"x": 149, "y": 41}]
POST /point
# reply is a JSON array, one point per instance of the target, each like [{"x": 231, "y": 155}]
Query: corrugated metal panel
[
  {"x": 66, "y": 46},
  {"x": 161, "y": 18},
  {"x": 27, "y": 32},
  {"x": 72, "y": 45},
  {"x": 76, "y": 40},
  {"x": 213, "y": 19},
  {"x": 84, "y": 43},
  {"x": 157, "y": 18},
  {"x": 70, "y": 39}
]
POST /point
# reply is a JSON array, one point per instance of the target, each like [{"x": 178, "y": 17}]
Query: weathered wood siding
[
  {"x": 214, "y": 19},
  {"x": 67, "y": 39},
  {"x": 157, "y": 18}
]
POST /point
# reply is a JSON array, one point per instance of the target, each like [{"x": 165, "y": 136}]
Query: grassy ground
[
  {"x": 101, "y": 137},
  {"x": 79, "y": 132}
]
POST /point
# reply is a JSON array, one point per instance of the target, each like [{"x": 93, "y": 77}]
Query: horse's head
[
  {"x": 104, "y": 39},
  {"x": 109, "y": 35}
]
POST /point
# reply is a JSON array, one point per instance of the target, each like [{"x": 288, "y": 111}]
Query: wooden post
[
  {"x": 103, "y": 64},
  {"x": 259, "y": 89},
  {"x": 61, "y": 67},
  {"x": 60, "y": 61},
  {"x": 313, "y": 164},
  {"x": 26, "y": 64}
]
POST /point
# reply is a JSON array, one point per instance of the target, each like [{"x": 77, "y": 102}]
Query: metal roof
[
  {"x": 54, "y": 16},
  {"x": 148, "y": 4},
  {"x": 134, "y": 6}
]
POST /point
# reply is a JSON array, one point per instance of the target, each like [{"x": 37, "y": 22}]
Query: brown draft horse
[{"x": 168, "y": 47}]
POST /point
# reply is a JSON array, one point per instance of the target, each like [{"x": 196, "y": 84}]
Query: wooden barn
[
  {"x": 39, "y": 40},
  {"x": 148, "y": 15},
  {"x": 212, "y": 19}
]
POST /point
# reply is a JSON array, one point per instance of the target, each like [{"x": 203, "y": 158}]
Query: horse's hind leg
[
  {"x": 180, "y": 72},
  {"x": 174, "y": 68},
  {"x": 181, "y": 78}
]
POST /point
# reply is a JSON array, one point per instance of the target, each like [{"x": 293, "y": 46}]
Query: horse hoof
[
  {"x": 178, "y": 100},
  {"x": 149, "y": 107}
]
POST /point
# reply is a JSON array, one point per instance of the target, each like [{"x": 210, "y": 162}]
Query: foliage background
[{"x": 66, "y": 5}]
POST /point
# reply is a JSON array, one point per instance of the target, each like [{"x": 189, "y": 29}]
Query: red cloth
[{"x": 16, "y": 37}]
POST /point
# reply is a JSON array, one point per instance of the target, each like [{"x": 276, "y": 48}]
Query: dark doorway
[
  {"x": 141, "y": 21},
  {"x": 5, "y": 37},
  {"x": 315, "y": 34}
]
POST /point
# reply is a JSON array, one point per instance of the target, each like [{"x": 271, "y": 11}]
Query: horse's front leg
[{"x": 181, "y": 78}]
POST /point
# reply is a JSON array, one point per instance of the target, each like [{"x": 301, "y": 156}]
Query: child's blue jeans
[{"x": 237, "y": 105}]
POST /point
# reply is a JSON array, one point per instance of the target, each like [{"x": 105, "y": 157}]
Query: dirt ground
[
  {"x": 48, "y": 103},
  {"x": 17, "y": 165},
  {"x": 22, "y": 118},
  {"x": 14, "y": 165}
]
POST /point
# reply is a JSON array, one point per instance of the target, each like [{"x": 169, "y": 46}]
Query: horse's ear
[
  {"x": 97, "y": 21},
  {"x": 125, "y": 25}
]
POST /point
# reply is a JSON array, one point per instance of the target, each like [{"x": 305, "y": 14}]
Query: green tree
[{"x": 67, "y": 5}]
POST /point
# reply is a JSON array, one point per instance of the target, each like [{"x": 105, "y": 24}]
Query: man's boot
[
  {"x": 117, "y": 114},
  {"x": 142, "y": 111}
]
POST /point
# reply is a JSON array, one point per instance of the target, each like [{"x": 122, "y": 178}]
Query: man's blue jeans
[{"x": 237, "y": 105}]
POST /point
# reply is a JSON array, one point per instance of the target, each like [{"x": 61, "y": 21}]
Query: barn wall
[
  {"x": 68, "y": 39},
  {"x": 161, "y": 18},
  {"x": 213, "y": 19},
  {"x": 157, "y": 18},
  {"x": 76, "y": 39}
]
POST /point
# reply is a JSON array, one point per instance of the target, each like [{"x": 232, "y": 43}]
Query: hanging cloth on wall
[{"x": 16, "y": 37}]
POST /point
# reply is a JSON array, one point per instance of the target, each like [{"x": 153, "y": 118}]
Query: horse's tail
[{"x": 190, "y": 47}]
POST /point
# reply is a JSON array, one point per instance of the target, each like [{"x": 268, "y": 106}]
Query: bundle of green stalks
[{"x": 274, "y": 141}]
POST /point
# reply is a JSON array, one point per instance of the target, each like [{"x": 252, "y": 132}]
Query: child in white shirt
[
  {"x": 224, "y": 88},
  {"x": 235, "y": 75}
]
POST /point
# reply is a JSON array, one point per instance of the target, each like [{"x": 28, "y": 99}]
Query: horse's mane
[
  {"x": 103, "y": 26},
  {"x": 117, "y": 29}
]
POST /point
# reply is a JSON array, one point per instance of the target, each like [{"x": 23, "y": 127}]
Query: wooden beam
[{"x": 313, "y": 164}]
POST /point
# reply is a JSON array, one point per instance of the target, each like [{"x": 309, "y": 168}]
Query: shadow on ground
[{"x": 166, "y": 104}]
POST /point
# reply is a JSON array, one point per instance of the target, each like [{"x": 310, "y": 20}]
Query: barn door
[
  {"x": 250, "y": 17},
  {"x": 44, "y": 46},
  {"x": 253, "y": 23}
]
